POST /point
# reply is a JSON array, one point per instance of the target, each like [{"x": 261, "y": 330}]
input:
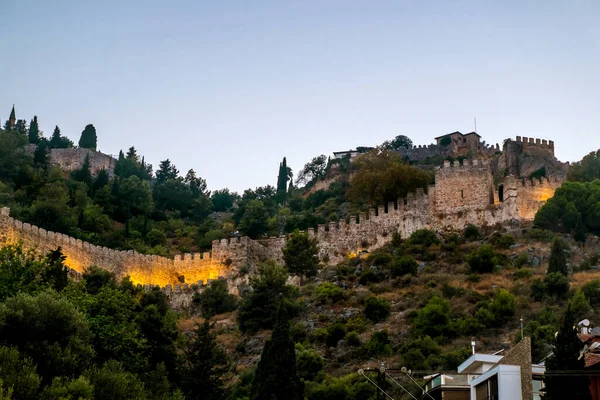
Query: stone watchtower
[{"x": 12, "y": 120}]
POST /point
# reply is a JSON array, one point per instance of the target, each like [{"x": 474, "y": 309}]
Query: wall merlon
[
  {"x": 391, "y": 207},
  {"x": 380, "y": 211},
  {"x": 362, "y": 217},
  {"x": 321, "y": 228},
  {"x": 332, "y": 226},
  {"x": 446, "y": 164},
  {"x": 352, "y": 220},
  {"x": 372, "y": 213}
]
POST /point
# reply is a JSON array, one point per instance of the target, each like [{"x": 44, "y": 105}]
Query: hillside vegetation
[{"x": 417, "y": 302}]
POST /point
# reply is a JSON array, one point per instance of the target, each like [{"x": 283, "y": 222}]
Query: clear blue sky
[{"x": 230, "y": 87}]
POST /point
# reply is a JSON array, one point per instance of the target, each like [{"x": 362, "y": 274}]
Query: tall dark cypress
[
  {"x": 276, "y": 377},
  {"x": 282, "y": 180},
  {"x": 558, "y": 261},
  {"x": 565, "y": 376},
  {"x": 34, "y": 131}
]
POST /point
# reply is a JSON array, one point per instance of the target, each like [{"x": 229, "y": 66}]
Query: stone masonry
[{"x": 463, "y": 194}]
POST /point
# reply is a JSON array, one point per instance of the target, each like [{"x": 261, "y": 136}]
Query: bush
[
  {"x": 352, "y": 339},
  {"x": 424, "y": 237},
  {"x": 377, "y": 309},
  {"x": 506, "y": 241},
  {"x": 378, "y": 344},
  {"x": 356, "y": 324},
  {"x": 539, "y": 289},
  {"x": 396, "y": 239},
  {"x": 215, "y": 299},
  {"x": 591, "y": 290},
  {"x": 483, "y": 259},
  {"x": 309, "y": 364},
  {"x": 335, "y": 333},
  {"x": 434, "y": 319},
  {"x": 320, "y": 334},
  {"x": 471, "y": 232},
  {"x": 379, "y": 258},
  {"x": 328, "y": 293},
  {"x": 503, "y": 306},
  {"x": 404, "y": 265},
  {"x": 473, "y": 278},
  {"x": 156, "y": 238},
  {"x": 557, "y": 285},
  {"x": 521, "y": 260},
  {"x": 523, "y": 273}
]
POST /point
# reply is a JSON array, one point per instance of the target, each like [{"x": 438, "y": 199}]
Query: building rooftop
[{"x": 476, "y": 362}]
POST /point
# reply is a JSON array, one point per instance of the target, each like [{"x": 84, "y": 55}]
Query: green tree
[
  {"x": 558, "y": 261},
  {"x": 313, "y": 170},
  {"x": 112, "y": 381},
  {"x": 565, "y": 375},
  {"x": 57, "y": 141},
  {"x": 483, "y": 259},
  {"x": 34, "y": 133},
  {"x": 399, "y": 142},
  {"x": 223, "y": 200},
  {"x": 434, "y": 319},
  {"x": 83, "y": 174},
  {"x": 19, "y": 374},
  {"x": 254, "y": 221},
  {"x": 258, "y": 310},
  {"x": 204, "y": 364},
  {"x": 166, "y": 171},
  {"x": 13, "y": 157},
  {"x": 383, "y": 177},
  {"x": 285, "y": 175},
  {"x": 136, "y": 198},
  {"x": 215, "y": 299},
  {"x": 89, "y": 139},
  {"x": 50, "y": 331},
  {"x": 301, "y": 254},
  {"x": 276, "y": 377},
  {"x": 586, "y": 170}
]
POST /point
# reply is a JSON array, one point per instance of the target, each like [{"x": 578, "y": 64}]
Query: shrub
[
  {"x": 503, "y": 306},
  {"x": 328, "y": 293},
  {"x": 523, "y": 273},
  {"x": 434, "y": 319},
  {"x": 557, "y": 285},
  {"x": 404, "y": 265},
  {"x": 424, "y": 237},
  {"x": 541, "y": 235},
  {"x": 352, "y": 339},
  {"x": 356, "y": 324},
  {"x": 521, "y": 260},
  {"x": 335, "y": 333},
  {"x": 377, "y": 309},
  {"x": 474, "y": 278},
  {"x": 396, "y": 239},
  {"x": 320, "y": 334},
  {"x": 506, "y": 241},
  {"x": 370, "y": 276},
  {"x": 471, "y": 232},
  {"x": 591, "y": 290},
  {"x": 450, "y": 291},
  {"x": 156, "y": 238},
  {"x": 378, "y": 344},
  {"x": 309, "y": 364},
  {"x": 539, "y": 289},
  {"x": 483, "y": 259},
  {"x": 215, "y": 299},
  {"x": 379, "y": 258}
]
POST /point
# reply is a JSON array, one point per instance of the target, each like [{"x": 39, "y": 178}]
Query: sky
[{"x": 229, "y": 88}]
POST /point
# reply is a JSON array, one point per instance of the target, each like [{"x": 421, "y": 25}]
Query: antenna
[
  {"x": 473, "y": 346},
  {"x": 475, "y": 121}
]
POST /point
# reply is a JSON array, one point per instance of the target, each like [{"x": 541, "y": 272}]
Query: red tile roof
[{"x": 591, "y": 359}]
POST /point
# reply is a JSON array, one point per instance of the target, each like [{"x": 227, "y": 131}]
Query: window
[{"x": 487, "y": 390}]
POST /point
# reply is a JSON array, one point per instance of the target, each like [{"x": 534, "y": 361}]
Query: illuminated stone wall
[
  {"x": 71, "y": 159},
  {"x": 463, "y": 194},
  {"x": 143, "y": 269}
]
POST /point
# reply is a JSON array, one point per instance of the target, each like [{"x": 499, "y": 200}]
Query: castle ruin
[{"x": 463, "y": 194}]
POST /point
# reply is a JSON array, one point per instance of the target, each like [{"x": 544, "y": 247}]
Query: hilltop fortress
[{"x": 464, "y": 193}]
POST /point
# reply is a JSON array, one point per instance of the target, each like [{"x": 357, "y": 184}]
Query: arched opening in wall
[{"x": 501, "y": 193}]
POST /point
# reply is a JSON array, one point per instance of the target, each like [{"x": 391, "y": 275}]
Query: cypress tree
[
  {"x": 34, "y": 131},
  {"x": 204, "y": 366},
  {"x": 565, "y": 376},
  {"x": 89, "y": 139},
  {"x": 558, "y": 261},
  {"x": 276, "y": 377}
]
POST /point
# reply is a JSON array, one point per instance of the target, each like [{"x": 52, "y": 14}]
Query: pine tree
[
  {"x": 89, "y": 139},
  {"x": 558, "y": 261},
  {"x": 565, "y": 376},
  {"x": 166, "y": 171},
  {"x": 204, "y": 366},
  {"x": 58, "y": 141},
  {"x": 21, "y": 127},
  {"x": 276, "y": 377},
  {"x": 301, "y": 254},
  {"x": 84, "y": 174},
  {"x": 34, "y": 133}
]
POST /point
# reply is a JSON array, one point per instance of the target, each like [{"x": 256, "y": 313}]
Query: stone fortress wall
[
  {"x": 463, "y": 194},
  {"x": 71, "y": 159}
]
